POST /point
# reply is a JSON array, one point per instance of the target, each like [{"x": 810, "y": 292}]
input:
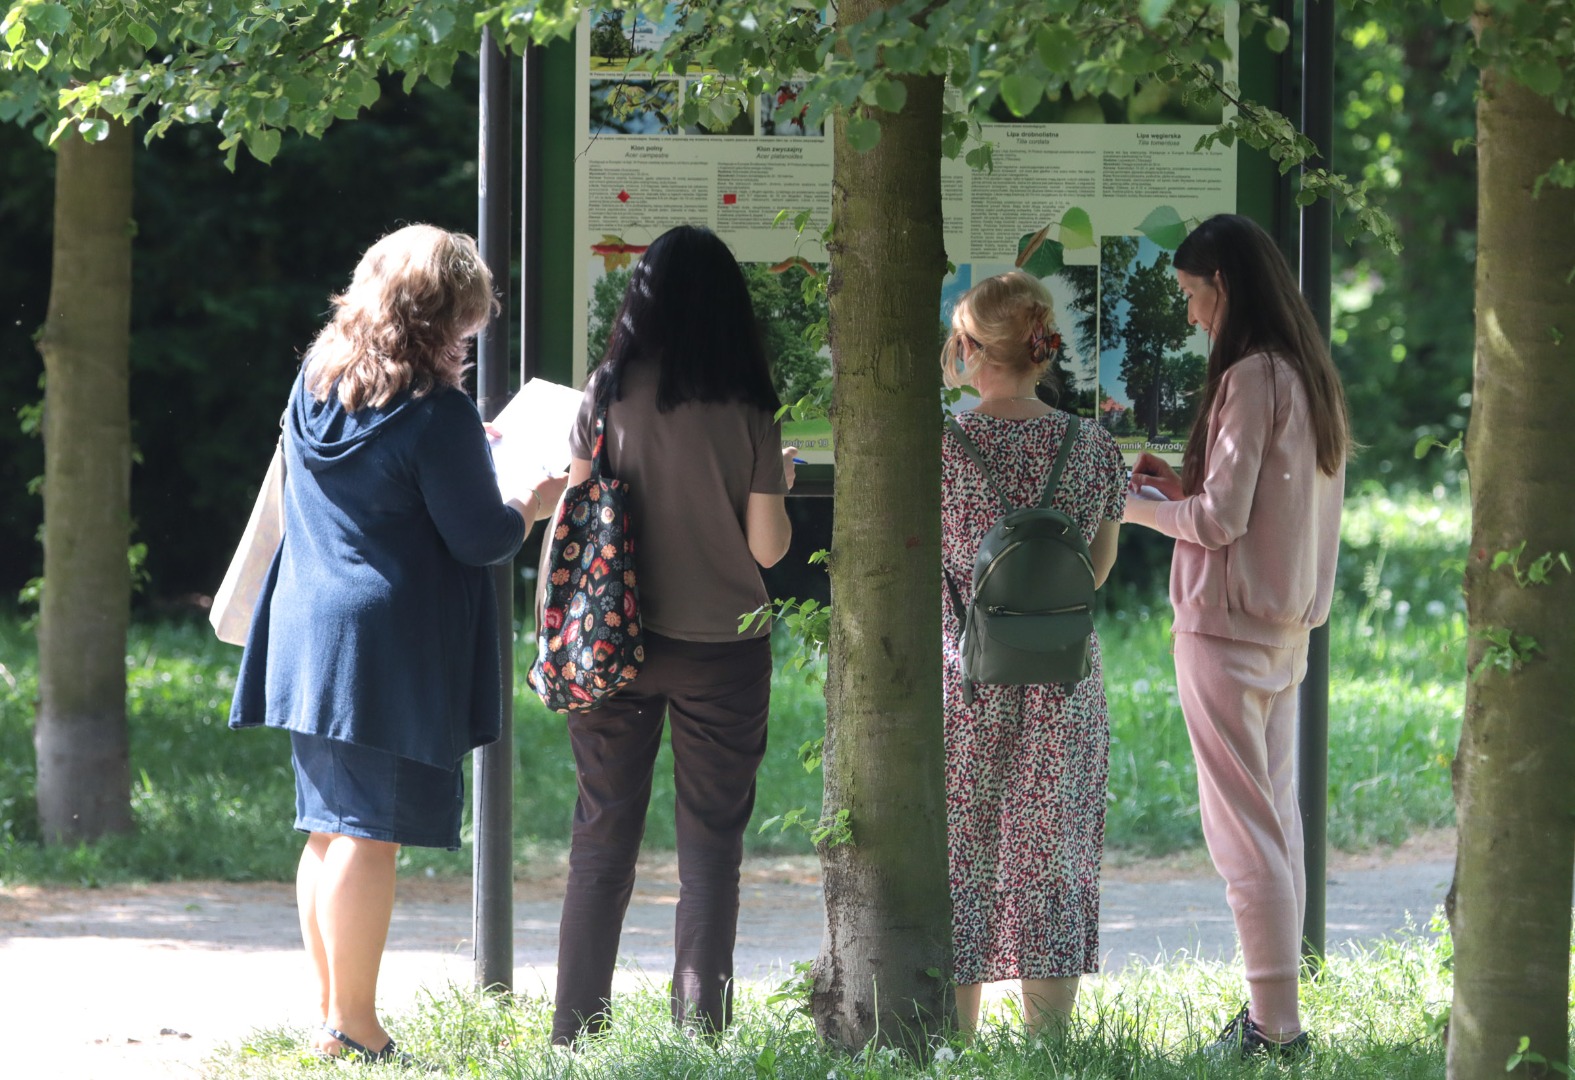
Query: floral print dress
[{"x": 1026, "y": 766}]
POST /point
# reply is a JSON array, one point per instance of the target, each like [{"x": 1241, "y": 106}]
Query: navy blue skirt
[{"x": 358, "y": 791}]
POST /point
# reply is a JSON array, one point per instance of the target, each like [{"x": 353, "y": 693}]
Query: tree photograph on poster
[
  {"x": 1152, "y": 363},
  {"x": 633, "y": 106},
  {"x": 784, "y": 316}
]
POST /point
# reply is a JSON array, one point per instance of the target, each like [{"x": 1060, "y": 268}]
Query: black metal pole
[
  {"x": 1317, "y": 242},
  {"x": 493, "y": 777},
  {"x": 531, "y": 104}
]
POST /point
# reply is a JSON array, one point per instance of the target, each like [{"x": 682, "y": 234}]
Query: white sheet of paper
[{"x": 535, "y": 443}]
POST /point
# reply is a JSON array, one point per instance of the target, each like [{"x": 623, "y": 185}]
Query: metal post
[
  {"x": 1317, "y": 242},
  {"x": 531, "y": 104},
  {"x": 493, "y": 778}
]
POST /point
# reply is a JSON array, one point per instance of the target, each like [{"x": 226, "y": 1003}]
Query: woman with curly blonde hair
[
  {"x": 374, "y": 640},
  {"x": 1025, "y": 765}
]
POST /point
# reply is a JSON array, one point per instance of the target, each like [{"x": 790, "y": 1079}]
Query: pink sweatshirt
[{"x": 1255, "y": 549}]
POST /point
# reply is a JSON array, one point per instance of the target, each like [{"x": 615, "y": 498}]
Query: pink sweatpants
[{"x": 1239, "y": 700}]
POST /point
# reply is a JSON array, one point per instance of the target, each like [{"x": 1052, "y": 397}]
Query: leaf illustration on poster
[
  {"x": 1077, "y": 229},
  {"x": 1164, "y": 227}
]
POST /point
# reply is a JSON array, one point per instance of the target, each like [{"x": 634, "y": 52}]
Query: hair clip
[{"x": 1043, "y": 343}]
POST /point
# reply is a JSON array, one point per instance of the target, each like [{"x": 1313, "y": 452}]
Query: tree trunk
[
  {"x": 884, "y": 967},
  {"x": 84, "y": 775},
  {"x": 1509, "y": 906}
]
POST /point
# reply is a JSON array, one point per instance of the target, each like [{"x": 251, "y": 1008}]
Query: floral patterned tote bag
[{"x": 588, "y": 635}]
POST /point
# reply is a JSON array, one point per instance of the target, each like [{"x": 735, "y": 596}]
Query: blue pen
[{"x": 800, "y": 461}]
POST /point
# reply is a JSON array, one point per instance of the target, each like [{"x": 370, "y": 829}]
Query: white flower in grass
[{"x": 1140, "y": 687}]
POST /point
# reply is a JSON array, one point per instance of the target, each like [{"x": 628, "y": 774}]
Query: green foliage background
[
  {"x": 212, "y": 803},
  {"x": 234, "y": 271}
]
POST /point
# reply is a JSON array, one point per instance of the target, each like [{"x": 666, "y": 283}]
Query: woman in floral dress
[{"x": 1026, "y": 766}]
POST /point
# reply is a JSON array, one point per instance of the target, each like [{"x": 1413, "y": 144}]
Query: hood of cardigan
[{"x": 328, "y": 434}]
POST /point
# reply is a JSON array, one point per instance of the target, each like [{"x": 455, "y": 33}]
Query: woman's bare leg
[
  {"x": 968, "y": 998},
  {"x": 307, "y": 873},
  {"x": 1048, "y": 1003},
  {"x": 353, "y": 902}
]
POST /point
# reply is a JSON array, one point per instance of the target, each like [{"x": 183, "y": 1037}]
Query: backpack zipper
[
  {"x": 997, "y": 609},
  {"x": 979, "y": 585}
]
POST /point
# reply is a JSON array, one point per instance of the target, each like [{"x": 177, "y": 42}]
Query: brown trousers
[{"x": 717, "y": 695}]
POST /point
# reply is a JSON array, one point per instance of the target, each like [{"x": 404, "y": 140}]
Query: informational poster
[
  {"x": 638, "y": 175},
  {"x": 1089, "y": 195}
]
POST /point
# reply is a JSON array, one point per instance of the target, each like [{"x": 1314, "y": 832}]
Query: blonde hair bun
[{"x": 1000, "y": 315}]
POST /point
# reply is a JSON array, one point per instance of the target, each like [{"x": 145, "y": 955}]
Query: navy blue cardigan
[{"x": 377, "y": 621}]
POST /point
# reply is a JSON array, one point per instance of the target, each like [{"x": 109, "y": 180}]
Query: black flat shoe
[
  {"x": 359, "y": 1054},
  {"x": 1241, "y": 1038}
]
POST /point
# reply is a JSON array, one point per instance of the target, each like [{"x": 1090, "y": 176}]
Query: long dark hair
[
  {"x": 1265, "y": 312},
  {"x": 687, "y": 310}
]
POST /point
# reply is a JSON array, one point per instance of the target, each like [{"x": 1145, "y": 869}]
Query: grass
[
  {"x": 211, "y": 803},
  {"x": 1374, "y": 1014}
]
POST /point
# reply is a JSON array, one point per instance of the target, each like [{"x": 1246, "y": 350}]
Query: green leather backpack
[{"x": 1032, "y": 612}]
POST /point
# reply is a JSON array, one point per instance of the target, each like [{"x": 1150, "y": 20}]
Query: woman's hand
[
  {"x": 1154, "y": 472},
  {"x": 547, "y": 493},
  {"x": 788, "y": 467}
]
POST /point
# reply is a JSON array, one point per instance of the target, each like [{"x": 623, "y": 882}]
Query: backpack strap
[
  {"x": 978, "y": 459},
  {"x": 962, "y": 621},
  {"x": 1060, "y": 461}
]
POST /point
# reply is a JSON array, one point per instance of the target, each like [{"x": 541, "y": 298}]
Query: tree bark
[
  {"x": 84, "y": 773},
  {"x": 884, "y": 968},
  {"x": 1509, "y": 905}
]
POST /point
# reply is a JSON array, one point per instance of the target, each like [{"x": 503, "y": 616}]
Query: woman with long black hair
[{"x": 690, "y": 428}]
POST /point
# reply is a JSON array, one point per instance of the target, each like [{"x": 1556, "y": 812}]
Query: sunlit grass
[{"x": 1374, "y": 1014}]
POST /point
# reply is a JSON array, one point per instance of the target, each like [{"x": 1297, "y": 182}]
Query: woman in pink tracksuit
[{"x": 1256, "y": 517}]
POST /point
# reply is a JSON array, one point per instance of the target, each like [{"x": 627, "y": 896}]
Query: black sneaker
[{"x": 1244, "y": 1039}]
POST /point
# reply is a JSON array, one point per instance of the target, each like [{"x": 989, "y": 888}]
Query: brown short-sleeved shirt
[{"x": 690, "y": 474}]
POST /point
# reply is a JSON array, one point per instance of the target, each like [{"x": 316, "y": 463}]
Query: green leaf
[
  {"x": 1044, "y": 259},
  {"x": 1058, "y": 48},
  {"x": 862, "y": 133},
  {"x": 1457, "y": 10},
  {"x": 1278, "y": 36},
  {"x": 49, "y": 19},
  {"x": 16, "y": 31},
  {"x": 1077, "y": 230},
  {"x": 263, "y": 143},
  {"x": 1540, "y": 77},
  {"x": 891, "y": 95},
  {"x": 94, "y": 130},
  {"x": 301, "y": 91},
  {"x": 1154, "y": 10},
  {"x": 435, "y": 23},
  {"x": 1219, "y": 48},
  {"x": 1164, "y": 227},
  {"x": 143, "y": 34},
  {"x": 1022, "y": 93}
]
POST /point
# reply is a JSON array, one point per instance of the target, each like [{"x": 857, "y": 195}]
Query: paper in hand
[{"x": 535, "y": 430}]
